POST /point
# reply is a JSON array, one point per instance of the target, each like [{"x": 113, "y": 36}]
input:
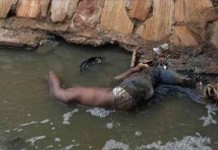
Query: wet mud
[{"x": 200, "y": 62}]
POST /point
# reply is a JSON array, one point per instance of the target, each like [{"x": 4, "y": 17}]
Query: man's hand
[
  {"x": 135, "y": 69},
  {"x": 139, "y": 67}
]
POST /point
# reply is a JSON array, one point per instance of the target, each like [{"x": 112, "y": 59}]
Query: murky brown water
[{"x": 30, "y": 119}]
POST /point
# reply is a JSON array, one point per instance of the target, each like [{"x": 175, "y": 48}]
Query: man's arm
[{"x": 135, "y": 69}]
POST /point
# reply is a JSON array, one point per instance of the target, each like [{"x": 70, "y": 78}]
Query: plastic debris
[
  {"x": 157, "y": 50},
  {"x": 165, "y": 46},
  {"x": 160, "y": 48}
]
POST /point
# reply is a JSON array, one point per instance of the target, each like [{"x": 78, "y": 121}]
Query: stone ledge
[{"x": 22, "y": 38}]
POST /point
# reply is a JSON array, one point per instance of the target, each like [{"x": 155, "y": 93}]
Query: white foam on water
[
  {"x": 67, "y": 116},
  {"x": 69, "y": 147},
  {"x": 7, "y": 131},
  {"x": 138, "y": 133},
  {"x": 15, "y": 129},
  {"x": 44, "y": 121},
  {"x": 112, "y": 144},
  {"x": 57, "y": 139},
  {"x": 99, "y": 112},
  {"x": 118, "y": 124},
  {"x": 90, "y": 147},
  {"x": 19, "y": 130},
  {"x": 34, "y": 139},
  {"x": 27, "y": 124},
  {"x": 209, "y": 118},
  {"x": 49, "y": 146},
  {"x": 187, "y": 143},
  {"x": 109, "y": 125}
]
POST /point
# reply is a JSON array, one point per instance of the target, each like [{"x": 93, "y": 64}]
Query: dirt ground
[{"x": 200, "y": 62}]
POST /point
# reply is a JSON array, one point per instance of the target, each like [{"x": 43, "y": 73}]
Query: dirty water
[{"x": 30, "y": 119}]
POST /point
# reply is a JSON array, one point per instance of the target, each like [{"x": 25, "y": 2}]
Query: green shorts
[{"x": 122, "y": 99}]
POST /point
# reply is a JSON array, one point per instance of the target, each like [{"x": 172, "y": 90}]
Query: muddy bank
[{"x": 200, "y": 62}]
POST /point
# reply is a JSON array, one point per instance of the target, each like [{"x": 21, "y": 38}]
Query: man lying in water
[{"x": 139, "y": 85}]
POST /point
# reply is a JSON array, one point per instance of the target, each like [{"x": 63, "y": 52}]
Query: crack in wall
[
  {"x": 174, "y": 22},
  {"x": 73, "y": 15},
  {"x": 136, "y": 22}
]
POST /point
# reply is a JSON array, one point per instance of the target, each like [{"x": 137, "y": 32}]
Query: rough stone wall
[
  {"x": 96, "y": 22},
  {"x": 159, "y": 26}
]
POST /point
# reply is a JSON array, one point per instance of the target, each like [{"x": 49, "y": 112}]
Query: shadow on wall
[{"x": 215, "y": 3}]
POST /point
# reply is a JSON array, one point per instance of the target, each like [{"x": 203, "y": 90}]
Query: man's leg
[
  {"x": 94, "y": 97},
  {"x": 173, "y": 78}
]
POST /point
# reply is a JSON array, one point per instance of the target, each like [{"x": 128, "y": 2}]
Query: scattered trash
[
  {"x": 160, "y": 48},
  {"x": 161, "y": 60},
  {"x": 165, "y": 46},
  {"x": 90, "y": 61},
  {"x": 157, "y": 50}
]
